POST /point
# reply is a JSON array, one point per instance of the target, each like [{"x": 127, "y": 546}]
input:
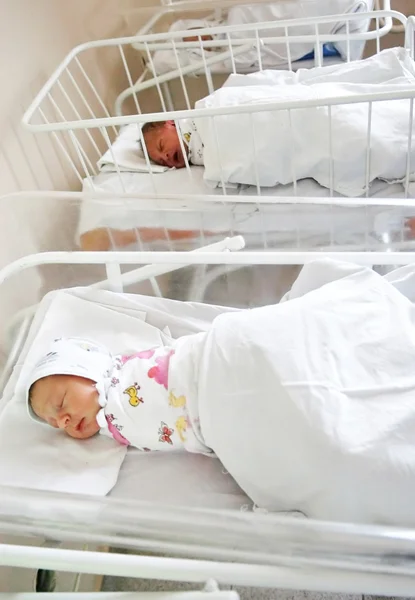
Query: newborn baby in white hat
[{"x": 80, "y": 388}]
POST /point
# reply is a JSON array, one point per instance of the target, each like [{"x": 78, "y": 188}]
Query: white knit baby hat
[{"x": 70, "y": 356}]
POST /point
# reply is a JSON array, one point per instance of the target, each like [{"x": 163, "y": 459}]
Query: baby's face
[
  {"x": 163, "y": 146},
  {"x": 67, "y": 402}
]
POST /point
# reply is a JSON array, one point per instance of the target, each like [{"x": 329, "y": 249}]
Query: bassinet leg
[{"x": 198, "y": 286}]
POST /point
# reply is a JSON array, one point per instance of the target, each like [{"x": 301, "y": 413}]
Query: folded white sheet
[
  {"x": 305, "y": 135},
  {"x": 127, "y": 154},
  {"x": 36, "y": 456}
]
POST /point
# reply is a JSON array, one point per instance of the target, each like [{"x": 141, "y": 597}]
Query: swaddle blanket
[
  {"x": 309, "y": 404},
  {"x": 148, "y": 402},
  {"x": 329, "y": 144}
]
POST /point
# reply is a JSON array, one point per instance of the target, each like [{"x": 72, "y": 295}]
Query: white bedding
[
  {"x": 309, "y": 404},
  {"x": 37, "y": 456},
  {"x": 309, "y": 225},
  {"x": 178, "y": 479},
  {"x": 312, "y": 135},
  {"x": 274, "y": 54}
]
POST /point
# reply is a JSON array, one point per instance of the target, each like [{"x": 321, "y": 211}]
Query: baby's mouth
[{"x": 80, "y": 425}]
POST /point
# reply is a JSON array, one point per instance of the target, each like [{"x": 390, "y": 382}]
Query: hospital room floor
[
  {"x": 112, "y": 584},
  {"x": 123, "y": 584}
]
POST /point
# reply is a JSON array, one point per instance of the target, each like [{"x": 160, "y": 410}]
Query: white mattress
[
  {"x": 178, "y": 479},
  {"x": 308, "y": 225}
]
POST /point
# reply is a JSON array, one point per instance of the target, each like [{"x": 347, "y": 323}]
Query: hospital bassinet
[
  {"x": 214, "y": 533},
  {"x": 74, "y": 107},
  {"x": 302, "y": 24}
]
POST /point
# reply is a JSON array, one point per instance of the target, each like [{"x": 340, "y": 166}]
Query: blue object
[{"x": 328, "y": 50}]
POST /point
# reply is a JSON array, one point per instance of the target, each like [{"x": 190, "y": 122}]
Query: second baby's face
[{"x": 67, "y": 402}]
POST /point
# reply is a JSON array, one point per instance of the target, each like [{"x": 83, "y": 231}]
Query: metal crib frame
[
  {"x": 208, "y": 65},
  {"x": 80, "y": 136}
]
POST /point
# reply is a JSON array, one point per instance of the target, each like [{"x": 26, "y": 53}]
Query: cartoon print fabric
[
  {"x": 192, "y": 140},
  {"x": 146, "y": 398},
  {"x": 141, "y": 409}
]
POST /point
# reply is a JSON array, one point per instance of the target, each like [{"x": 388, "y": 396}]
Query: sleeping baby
[
  {"x": 164, "y": 147},
  {"x": 81, "y": 388},
  {"x": 241, "y": 132},
  {"x": 308, "y": 404}
]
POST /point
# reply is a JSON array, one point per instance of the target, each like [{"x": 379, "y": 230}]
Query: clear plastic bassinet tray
[{"x": 247, "y": 548}]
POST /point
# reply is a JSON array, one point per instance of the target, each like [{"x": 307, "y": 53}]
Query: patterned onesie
[
  {"x": 145, "y": 403},
  {"x": 192, "y": 140}
]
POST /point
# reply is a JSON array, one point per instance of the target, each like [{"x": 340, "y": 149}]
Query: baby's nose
[{"x": 63, "y": 421}]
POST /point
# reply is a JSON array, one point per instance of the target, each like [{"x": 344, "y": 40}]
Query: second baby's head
[{"x": 163, "y": 145}]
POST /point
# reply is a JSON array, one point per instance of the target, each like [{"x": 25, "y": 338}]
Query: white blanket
[
  {"x": 310, "y": 404},
  {"x": 305, "y": 135},
  {"x": 273, "y": 54}
]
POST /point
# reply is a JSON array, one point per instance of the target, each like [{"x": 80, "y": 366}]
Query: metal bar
[
  {"x": 207, "y": 202},
  {"x": 400, "y": 94},
  {"x": 214, "y": 258},
  {"x": 148, "y": 271},
  {"x": 198, "y": 571},
  {"x": 73, "y": 55}
]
